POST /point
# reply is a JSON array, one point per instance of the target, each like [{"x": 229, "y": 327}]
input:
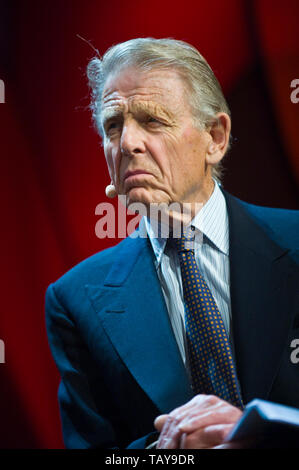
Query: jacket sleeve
[{"x": 85, "y": 418}]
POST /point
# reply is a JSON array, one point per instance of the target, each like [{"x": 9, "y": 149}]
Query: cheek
[
  {"x": 194, "y": 149},
  {"x": 168, "y": 151},
  {"x": 112, "y": 160},
  {"x": 176, "y": 154}
]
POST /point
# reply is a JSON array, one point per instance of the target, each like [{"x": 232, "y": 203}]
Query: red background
[{"x": 53, "y": 172}]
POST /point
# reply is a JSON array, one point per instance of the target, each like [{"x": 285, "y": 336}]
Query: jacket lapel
[
  {"x": 261, "y": 278},
  {"x": 132, "y": 310}
]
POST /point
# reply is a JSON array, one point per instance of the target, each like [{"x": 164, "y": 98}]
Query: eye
[
  {"x": 152, "y": 120},
  {"x": 111, "y": 127}
]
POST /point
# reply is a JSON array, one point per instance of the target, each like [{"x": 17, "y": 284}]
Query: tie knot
[{"x": 186, "y": 241}]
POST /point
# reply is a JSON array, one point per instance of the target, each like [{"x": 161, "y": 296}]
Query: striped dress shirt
[{"x": 212, "y": 255}]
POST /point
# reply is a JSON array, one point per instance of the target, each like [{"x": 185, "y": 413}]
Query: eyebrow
[
  {"x": 111, "y": 113},
  {"x": 155, "y": 110}
]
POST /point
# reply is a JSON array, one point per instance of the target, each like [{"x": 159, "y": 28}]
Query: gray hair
[{"x": 203, "y": 89}]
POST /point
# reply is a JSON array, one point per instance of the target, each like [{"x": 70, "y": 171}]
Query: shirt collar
[{"x": 211, "y": 221}]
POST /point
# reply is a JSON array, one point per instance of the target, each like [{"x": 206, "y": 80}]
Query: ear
[{"x": 219, "y": 132}]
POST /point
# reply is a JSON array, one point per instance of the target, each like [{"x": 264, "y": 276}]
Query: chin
[
  {"x": 140, "y": 195},
  {"x": 143, "y": 196}
]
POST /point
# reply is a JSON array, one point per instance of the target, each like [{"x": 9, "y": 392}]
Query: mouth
[{"x": 135, "y": 173}]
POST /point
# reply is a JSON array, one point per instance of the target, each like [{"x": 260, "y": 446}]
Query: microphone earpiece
[{"x": 110, "y": 191}]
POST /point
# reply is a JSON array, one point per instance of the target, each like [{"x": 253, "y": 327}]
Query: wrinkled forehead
[{"x": 159, "y": 89}]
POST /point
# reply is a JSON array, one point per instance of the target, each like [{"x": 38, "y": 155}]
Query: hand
[{"x": 203, "y": 422}]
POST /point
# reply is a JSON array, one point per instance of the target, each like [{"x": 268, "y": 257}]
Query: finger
[
  {"x": 216, "y": 434},
  {"x": 183, "y": 441},
  {"x": 170, "y": 435},
  {"x": 193, "y": 441},
  {"x": 200, "y": 414},
  {"x": 169, "y": 442},
  {"x": 205, "y": 438},
  {"x": 192, "y": 406},
  {"x": 160, "y": 421},
  {"x": 163, "y": 438},
  {"x": 218, "y": 414}
]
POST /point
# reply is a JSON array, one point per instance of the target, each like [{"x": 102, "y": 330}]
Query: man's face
[{"x": 153, "y": 151}]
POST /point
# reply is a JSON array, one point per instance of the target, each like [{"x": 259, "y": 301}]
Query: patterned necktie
[{"x": 211, "y": 363}]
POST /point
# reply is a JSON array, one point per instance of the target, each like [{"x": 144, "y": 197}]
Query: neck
[{"x": 178, "y": 215}]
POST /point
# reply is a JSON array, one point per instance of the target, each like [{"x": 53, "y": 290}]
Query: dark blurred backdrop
[{"x": 53, "y": 172}]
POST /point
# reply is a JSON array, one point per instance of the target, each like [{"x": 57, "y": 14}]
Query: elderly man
[{"x": 168, "y": 339}]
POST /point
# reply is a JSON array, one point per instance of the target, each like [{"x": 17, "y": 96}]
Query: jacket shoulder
[
  {"x": 92, "y": 270},
  {"x": 282, "y": 225}
]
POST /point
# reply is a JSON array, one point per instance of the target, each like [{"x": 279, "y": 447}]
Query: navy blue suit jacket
[{"x": 112, "y": 341}]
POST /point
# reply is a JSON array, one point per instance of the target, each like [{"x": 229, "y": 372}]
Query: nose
[{"x": 132, "y": 138}]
